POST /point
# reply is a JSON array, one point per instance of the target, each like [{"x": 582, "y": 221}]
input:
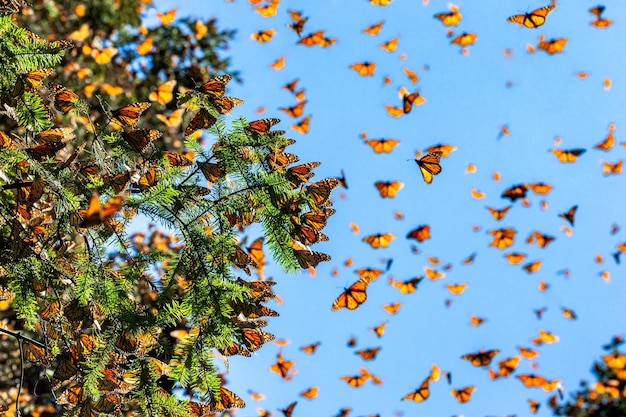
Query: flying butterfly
[
  {"x": 164, "y": 93},
  {"x": 296, "y": 110},
  {"x": 515, "y": 192},
  {"x": 569, "y": 215},
  {"x": 388, "y": 189},
  {"x": 411, "y": 99},
  {"x": 451, "y": 18},
  {"x": 302, "y": 126},
  {"x": 369, "y": 274},
  {"x": 567, "y": 155},
  {"x": 552, "y": 46},
  {"x": 420, "y": 233},
  {"x": 498, "y": 214},
  {"x": 406, "y": 287},
  {"x": 420, "y": 394},
  {"x": 374, "y": 29},
  {"x": 379, "y": 240},
  {"x": 481, "y": 358},
  {"x": 365, "y": 68},
  {"x": 319, "y": 192},
  {"x": 382, "y": 145},
  {"x": 128, "y": 116},
  {"x": 352, "y": 297},
  {"x": 263, "y": 36},
  {"x": 533, "y": 19},
  {"x": 463, "y": 395},
  {"x": 429, "y": 166}
]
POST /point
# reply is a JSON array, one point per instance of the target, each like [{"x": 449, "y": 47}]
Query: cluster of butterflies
[{"x": 429, "y": 164}]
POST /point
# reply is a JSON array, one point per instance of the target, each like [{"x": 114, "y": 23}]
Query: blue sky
[{"x": 467, "y": 102}]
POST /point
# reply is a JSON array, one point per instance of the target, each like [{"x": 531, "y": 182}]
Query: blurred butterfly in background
[
  {"x": 388, "y": 189},
  {"x": 429, "y": 166},
  {"x": 567, "y": 155},
  {"x": 533, "y": 19},
  {"x": 263, "y": 35},
  {"x": 164, "y": 93},
  {"x": 382, "y": 145},
  {"x": 365, "y": 68},
  {"x": 481, "y": 358}
]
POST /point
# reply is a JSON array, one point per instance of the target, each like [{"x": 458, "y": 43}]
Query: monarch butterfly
[
  {"x": 394, "y": 111},
  {"x": 310, "y": 349},
  {"x": 148, "y": 179},
  {"x": 612, "y": 169},
  {"x": 368, "y": 274},
  {"x": 352, "y": 297},
  {"x": 388, "y": 189},
  {"x": 534, "y": 406},
  {"x": 128, "y": 116},
  {"x": 202, "y": 120},
  {"x": 391, "y": 45},
  {"x": 420, "y": 233},
  {"x": 302, "y": 126},
  {"x": 298, "y": 25},
  {"x": 498, "y": 214},
  {"x": 368, "y": 354},
  {"x": 315, "y": 38},
  {"x": 262, "y": 126},
  {"x": 178, "y": 159},
  {"x": 164, "y": 93},
  {"x": 95, "y": 214},
  {"x": 317, "y": 220},
  {"x": 553, "y": 46},
  {"x": 410, "y": 100},
  {"x": 420, "y": 394},
  {"x": 253, "y": 339},
  {"x": 55, "y": 135},
  {"x": 64, "y": 99},
  {"x": 307, "y": 235},
  {"x": 263, "y": 36},
  {"x": 138, "y": 139},
  {"x": 528, "y": 353},
  {"x": 380, "y": 329},
  {"x": 433, "y": 273},
  {"x": 267, "y": 10},
  {"x": 309, "y": 393},
  {"x": 296, "y": 110},
  {"x": 408, "y": 286},
  {"x": 289, "y": 410},
  {"x": 515, "y": 258},
  {"x": 601, "y": 22},
  {"x": 291, "y": 85},
  {"x": 429, "y": 166},
  {"x": 301, "y": 173},
  {"x": 533, "y": 19},
  {"x": 225, "y": 104},
  {"x": 167, "y": 17},
  {"x": 609, "y": 141},
  {"x": 13, "y": 6},
  {"x": 215, "y": 87},
  {"x": 66, "y": 368},
  {"x": 379, "y": 240},
  {"x": 356, "y": 380},
  {"x": 374, "y": 29},
  {"x": 542, "y": 239},
  {"x": 568, "y": 313},
  {"x": 382, "y": 145},
  {"x": 515, "y": 192},
  {"x": 451, "y": 18},
  {"x": 502, "y": 238},
  {"x": 464, "y": 39},
  {"x": 443, "y": 148},
  {"x": 546, "y": 337},
  {"x": 463, "y": 395},
  {"x": 476, "y": 321},
  {"x": 173, "y": 119},
  {"x": 507, "y": 366},
  {"x": 365, "y": 68},
  {"x": 380, "y": 2},
  {"x": 308, "y": 259},
  {"x": 456, "y": 289},
  {"x": 392, "y": 308},
  {"x": 569, "y": 215},
  {"x": 481, "y": 358},
  {"x": 278, "y": 64},
  {"x": 34, "y": 78},
  {"x": 281, "y": 366},
  {"x": 532, "y": 380},
  {"x": 319, "y": 192}
]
